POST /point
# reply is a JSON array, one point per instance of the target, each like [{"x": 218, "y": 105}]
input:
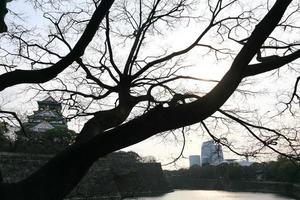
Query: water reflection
[{"x": 213, "y": 194}]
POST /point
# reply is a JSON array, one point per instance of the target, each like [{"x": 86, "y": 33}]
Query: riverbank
[
  {"x": 215, "y": 194},
  {"x": 287, "y": 189}
]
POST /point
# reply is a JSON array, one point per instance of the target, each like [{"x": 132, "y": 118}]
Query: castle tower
[{"x": 47, "y": 117}]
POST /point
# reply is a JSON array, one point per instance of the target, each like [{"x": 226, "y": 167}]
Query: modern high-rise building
[
  {"x": 194, "y": 160},
  {"x": 211, "y": 153}
]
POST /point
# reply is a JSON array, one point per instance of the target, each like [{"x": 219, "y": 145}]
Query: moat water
[{"x": 214, "y": 194}]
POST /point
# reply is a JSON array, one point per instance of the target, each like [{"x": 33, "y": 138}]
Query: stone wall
[
  {"x": 16, "y": 166},
  {"x": 99, "y": 183},
  {"x": 141, "y": 180},
  {"x": 105, "y": 179}
]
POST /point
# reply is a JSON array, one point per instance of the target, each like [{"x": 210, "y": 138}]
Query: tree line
[
  {"x": 281, "y": 170},
  {"x": 48, "y": 142}
]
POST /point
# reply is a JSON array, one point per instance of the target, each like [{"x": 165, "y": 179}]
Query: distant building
[
  {"x": 230, "y": 161},
  {"x": 244, "y": 163},
  {"x": 47, "y": 117},
  {"x": 194, "y": 160},
  {"x": 211, "y": 153}
]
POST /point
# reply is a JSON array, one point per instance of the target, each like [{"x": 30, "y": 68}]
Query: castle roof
[
  {"x": 47, "y": 113},
  {"x": 49, "y": 100},
  {"x": 42, "y": 127}
]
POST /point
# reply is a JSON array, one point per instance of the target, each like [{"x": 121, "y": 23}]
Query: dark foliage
[
  {"x": 49, "y": 142},
  {"x": 282, "y": 170}
]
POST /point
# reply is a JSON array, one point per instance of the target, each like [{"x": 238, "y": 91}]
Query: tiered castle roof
[{"x": 47, "y": 117}]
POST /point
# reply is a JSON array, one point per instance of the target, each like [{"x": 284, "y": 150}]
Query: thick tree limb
[
  {"x": 3, "y": 11},
  {"x": 270, "y": 64},
  {"x": 104, "y": 120},
  {"x": 43, "y": 75}
]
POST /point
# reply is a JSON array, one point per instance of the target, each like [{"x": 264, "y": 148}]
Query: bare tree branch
[{"x": 46, "y": 74}]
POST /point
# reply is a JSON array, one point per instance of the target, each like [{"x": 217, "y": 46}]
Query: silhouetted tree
[
  {"x": 139, "y": 80},
  {"x": 5, "y": 143},
  {"x": 49, "y": 142}
]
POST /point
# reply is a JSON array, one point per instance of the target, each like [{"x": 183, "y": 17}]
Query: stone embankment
[{"x": 106, "y": 179}]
